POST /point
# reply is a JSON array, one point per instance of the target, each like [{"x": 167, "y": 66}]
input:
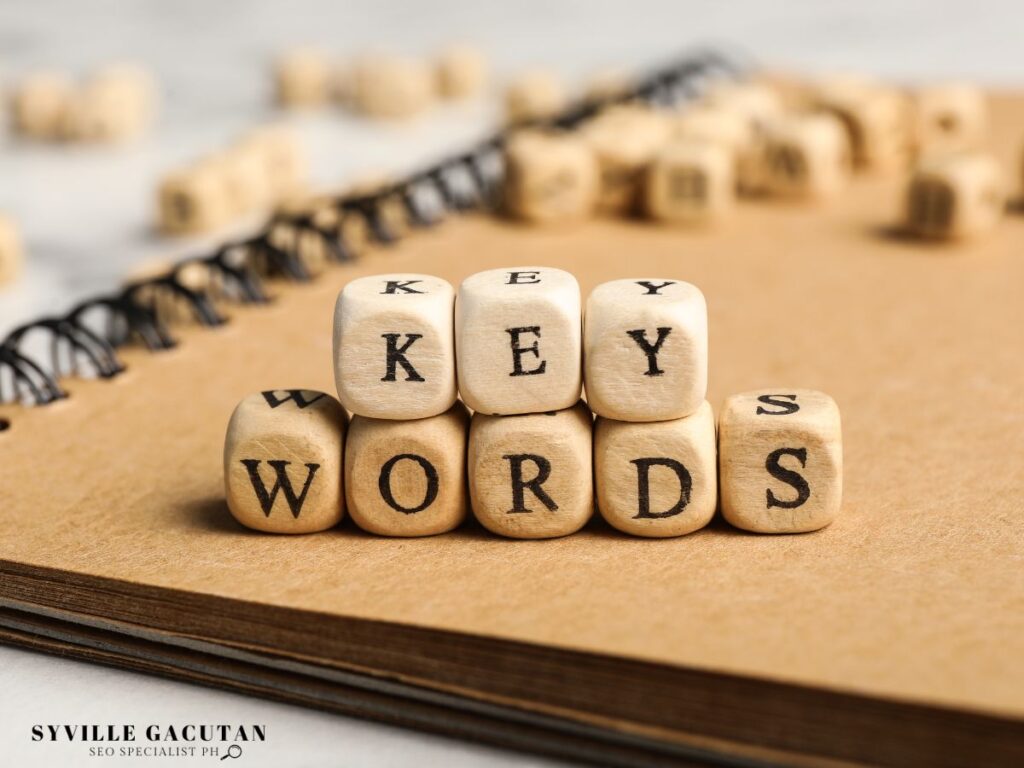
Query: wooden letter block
[
  {"x": 807, "y": 156},
  {"x": 302, "y": 78},
  {"x": 955, "y": 196},
  {"x": 758, "y": 103},
  {"x": 734, "y": 131},
  {"x": 950, "y": 117},
  {"x": 116, "y": 104},
  {"x": 461, "y": 72},
  {"x": 533, "y": 96},
  {"x": 518, "y": 340},
  {"x": 243, "y": 175},
  {"x": 392, "y": 87},
  {"x": 10, "y": 251},
  {"x": 780, "y": 456},
  {"x": 192, "y": 201},
  {"x": 407, "y": 478},
  {"x": 550, "y": 179},
  {"x": 283, "y": 461},
  {"x": 690, "y": 182},
  {"x": 531, "y": 477},
  {"x": 394, "y": 348},
  {"x": 658, "y": 479},
  {"x": 876, "y": 119},
  {"x": 38, "y": 104},
  {"x": 285, "y": 166},
  {"x": 645, "y": 349}
]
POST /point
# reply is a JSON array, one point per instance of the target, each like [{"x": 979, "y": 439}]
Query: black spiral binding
[{"x": 237, "y": 271}]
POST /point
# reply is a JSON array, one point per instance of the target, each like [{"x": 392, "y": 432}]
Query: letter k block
[
  {"x": 645, "y": 349},
  {"x": 518, "y": 340},
  {"x": 394, "y": 346}
]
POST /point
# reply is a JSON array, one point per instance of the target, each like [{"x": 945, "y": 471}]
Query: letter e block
[
  {"x": 645, "y": 345},
  {"x": 658, "y": 479},
  {"x": 955, "y": 196},
  {"x": 531, "y": 477},
  {"x": 283, "y": 461},
  {"x": 780, "y": 459},
  {"x": 394, "y": 348},
  {"x": 518, "y": 340}
]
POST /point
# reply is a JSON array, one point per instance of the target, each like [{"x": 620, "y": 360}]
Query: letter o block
[
  {"x": 645, "y": 345},
  {"x": 407, "y": 478},
  {"x": 518, "y": 340},
  {"x": 283, "y": 461},
  {"x": 658, "y": 479},
  {"x": 780, "y": 460},
  {"x": 531, "y": 477},
  {"x": 955, "y": 196},
  {"x": 394, "y": 348}
]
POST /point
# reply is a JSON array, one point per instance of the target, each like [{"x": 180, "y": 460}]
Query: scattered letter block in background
[
  {"x": 407, "y": 478},
  {"x": 394, "y": 346},
  {"x": 950, "y": 117},
  {"x": 550, "y": 178},
  {"x": 518, "y": 340},
  {"x": 646, "y": 349},
  {"x": 10, "y": 251},
  {"x": 192, "y": 200},
  {"x": 780, "y": 460},
  {"x": 658, "y": 479},
  {"x": 807, "y": 156},
  {"x": 955, "y": 196},
  {"x": 876, "y": 119},
  {"x": 531, "y": 477},
  {"x": 38, "y": 104},
  {"x": 691, "y": 182},
  {"x": 534, "y": 95},
  {"x": 303, "y": 79},
  {"x": 393, "y": 87},
  {"x": 283, "y": 461},
  {"x": 461, "y": 72}
]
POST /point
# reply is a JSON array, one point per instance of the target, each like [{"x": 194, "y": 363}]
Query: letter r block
[
  {"x": 518, "y": 340},
  {"x": 394, "y": 346},
  {"x": 282, "y": 461},
  {"x": 530, "y": 476},
  {"x": 780, "y": 460},
  {"x": 645, "y": 344}
]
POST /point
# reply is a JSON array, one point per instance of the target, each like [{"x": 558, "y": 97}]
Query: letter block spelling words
[
  {"x": 657, "y": 479},
  {"x": 530, "y": 477},
  {"x": 518, "y": 340},
  {"x": 394, "y": 348},
  {"x": 407, "y": 478},
  {"x": 645, "y": 349},
  {"x": 282, "y": 461},
  {"x": 780, "y": 460}
]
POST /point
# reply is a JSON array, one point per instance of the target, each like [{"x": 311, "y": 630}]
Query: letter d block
[
  {"x": 282, "y": 461},
  {"x": 518, "y": 340},
  {"x": 407, "y": 478},
  {"x": 394, "y": 348},
  {"x": 645, "y": 347},
  {"x": 530, "y": 477},
  {"x": 780, "y": 460},
  {"x": 657, "y": 479}
]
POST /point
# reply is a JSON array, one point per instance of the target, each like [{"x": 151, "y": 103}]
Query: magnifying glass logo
[{"x": 234, "y": 751}]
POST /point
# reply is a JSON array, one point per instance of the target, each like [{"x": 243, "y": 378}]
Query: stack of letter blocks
[{"x": 531, "y": 462}]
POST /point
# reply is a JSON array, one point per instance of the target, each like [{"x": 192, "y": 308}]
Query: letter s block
[
  {"x": 530, "y": 477},
  {"x": 780, "y": 460},
  {"x": 394, "y": 346},
  {"x": 645, "y": 347},
  {"x": 282, "y": 461},
  {"x": 657, "y": 479},
  {"x": 407, "y": 478},
  {"x": 518, "y": 340}
]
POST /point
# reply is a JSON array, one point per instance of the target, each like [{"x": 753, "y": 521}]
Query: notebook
[{"x": 894, "y": 636}]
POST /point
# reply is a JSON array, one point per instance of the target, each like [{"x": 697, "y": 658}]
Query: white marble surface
[{"x": 86, "y": 213}]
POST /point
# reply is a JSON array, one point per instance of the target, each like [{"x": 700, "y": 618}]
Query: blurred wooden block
[
  {"x": 243, "y": 173},
  {"x": 283, "y": 461},
  {"x": 122, "y": 100},
  {"x": 518, "y": 340},
  {"x": 877, "y": 120},
  {"x": 285, "y": 165},
  {"x": 530, "y": 476},
  {"x": 690, "y": 182},
  {"x": 407, "y": 478},
  {"x": 807, "y": 156},
  {"x": 192, "y": 201},
  {"x": 461, "y": 72},
  {"x": 11, "y": 253},
  {"x": 780, "y": 460},
  {"x": 645, "y": 349},
  {"x": 625, "y": 140},
  {"x": 534, "y": 95},
  {"x": 950, "y": 117},
  {"x": 394, "y": 346},
  {"x": 733, "y": 131},
  {"x": 302, "y": 78},
  {"x": 955, "y": 196},
  {"x": 38, "y": 104},
  {"x": 658, "y": 479},
  {"x": 392, "y": 87},
  {"x": 550, "y": 178},
  {"x": 756, "y": 102}
]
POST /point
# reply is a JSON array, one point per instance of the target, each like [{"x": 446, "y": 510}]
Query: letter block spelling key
[
  {"x": 518, "y": 340},
  {"x": 645, "y": 349},
  {"x": 407, "y": 478},
  {"x": 283, "y": 461},
  {"x": 657, "y": 479},
  {"x": 780, "y": 460},
  {"x": 531, "y": 477},
  {"x": 394, "y": 348}
]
